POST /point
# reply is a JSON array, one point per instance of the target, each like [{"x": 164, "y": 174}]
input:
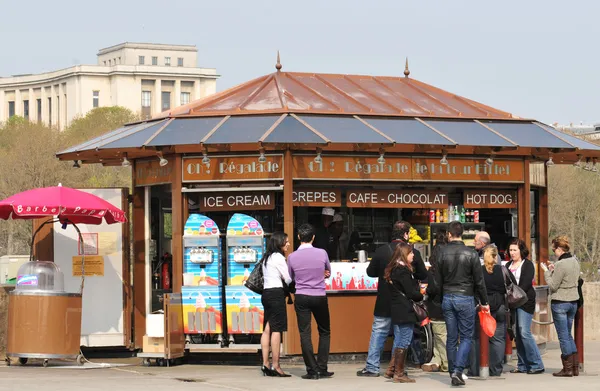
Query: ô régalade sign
[
  {"x": 356, "y": 168},
  {"x": 396, "y": 199},
  {"x": 232, "y": 168}
]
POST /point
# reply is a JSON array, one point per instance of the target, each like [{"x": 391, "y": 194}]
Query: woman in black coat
[
  {"x": 522, "y": 269},
  {"x": 403, "y": 288}
]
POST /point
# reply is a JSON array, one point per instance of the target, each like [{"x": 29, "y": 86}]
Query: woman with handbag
[
  {"x": 404, "y": 291},
  {"x": 276, "y": 277},
  {"x": 563, "y": 280},
  {"x": 522, "y": 269}
]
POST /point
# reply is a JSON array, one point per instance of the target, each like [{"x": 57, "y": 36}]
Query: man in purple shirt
[{"x": 309, "y": 266}]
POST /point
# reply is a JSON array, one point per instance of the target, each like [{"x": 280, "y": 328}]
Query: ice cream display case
[
  {"x": 202, "y": 277},
  {"x": 245, "y": 247}
]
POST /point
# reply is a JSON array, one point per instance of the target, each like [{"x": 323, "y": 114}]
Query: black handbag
[
  {"x": 515, "y": 296},
  {"x": 419, "y": 308},
  {"x": 256, "y": 280}
]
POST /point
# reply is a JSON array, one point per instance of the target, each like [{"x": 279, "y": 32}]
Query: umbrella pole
[{"x": 51, "y": 220}]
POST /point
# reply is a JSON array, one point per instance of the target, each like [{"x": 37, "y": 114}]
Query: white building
[
  {"x": 587, "y": 131},
  {"x": 145, "y": 78}
]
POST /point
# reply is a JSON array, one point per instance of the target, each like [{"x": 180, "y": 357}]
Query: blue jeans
[
  {"x": 379, "y": 333},
  {"x": 459, "y": 314},
  {"x": 528, "y": 354},
  {"x": 563, "y": 315},
  {"x": 403, "y": 335}
]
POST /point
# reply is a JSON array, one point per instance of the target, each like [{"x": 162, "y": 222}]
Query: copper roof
[{"x": 315, "y": 93}]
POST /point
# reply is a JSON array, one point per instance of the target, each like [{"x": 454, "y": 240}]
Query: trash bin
[{"x": 44, "y": 321}]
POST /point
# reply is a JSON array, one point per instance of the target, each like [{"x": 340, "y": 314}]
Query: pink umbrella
[{"x": 68, "y": 205}]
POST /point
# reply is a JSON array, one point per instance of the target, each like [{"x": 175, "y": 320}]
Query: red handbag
[{"x": 488, "y": 323}]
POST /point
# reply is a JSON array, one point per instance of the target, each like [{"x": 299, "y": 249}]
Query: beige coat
[{"x": 564, "y": 279}]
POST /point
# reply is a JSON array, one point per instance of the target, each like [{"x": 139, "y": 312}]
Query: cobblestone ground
[{"x": 134, "y": 377}]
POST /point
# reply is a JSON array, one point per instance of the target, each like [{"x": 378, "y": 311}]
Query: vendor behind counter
[{"x": 330, "y": 235}]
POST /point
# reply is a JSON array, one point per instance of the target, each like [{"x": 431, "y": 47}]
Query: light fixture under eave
[
  {"x": 262, "y": 158},
  {"x": 205, "y": 158},
  {"x": 444, "y": 159},
  {"x": 490, "y": 160},
  {"x": 549, "y": 162},
  {"x": 577, "y": 164},
  {"x": 126, "y": 162},
  {"x": 76, "y": 164},
  {"x": 318, "y": 159},
  {"x": 163, "y": 162},
  {"x": 381, "y": 159}
]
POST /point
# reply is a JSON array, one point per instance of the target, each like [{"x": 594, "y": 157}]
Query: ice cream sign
[{"x": 237, "y": 201}]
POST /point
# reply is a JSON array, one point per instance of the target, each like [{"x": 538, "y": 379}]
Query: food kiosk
[{"x": 376, "y": 149}]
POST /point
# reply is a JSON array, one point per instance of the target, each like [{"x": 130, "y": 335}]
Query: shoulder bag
[
  {"x": 418, "y": 307},
  {"x": 515, "y": 296},
  {"x": 256, "y": 280}
]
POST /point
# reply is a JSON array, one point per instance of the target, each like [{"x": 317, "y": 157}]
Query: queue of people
[{"x": 459, "y": 282}]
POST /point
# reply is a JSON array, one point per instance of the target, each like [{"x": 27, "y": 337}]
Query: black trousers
[{"x": 316, "y": 306}]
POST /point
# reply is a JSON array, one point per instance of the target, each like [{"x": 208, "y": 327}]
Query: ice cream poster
[
  {"x": 350, "y": 277},
  {"x": 199, "y": 225},
  {"x": 202, "y": 310},
  {"x": 241, "y": 224},
  {"x": 245, "y": 313}
]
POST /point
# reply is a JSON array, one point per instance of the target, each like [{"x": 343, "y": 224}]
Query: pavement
[{"x": 134, "y": 377}]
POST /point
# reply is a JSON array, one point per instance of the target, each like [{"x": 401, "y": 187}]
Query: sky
[{"x": 536, "y": 59}]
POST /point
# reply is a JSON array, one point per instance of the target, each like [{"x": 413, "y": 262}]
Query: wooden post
[
  {"x": 288, "y": 227},
  {"x": 139, "y": 262},
  {"x": 43, "y": 247},
  {"x": 524, "y": 205},
  {"x": 543, "y": 228},
  {"x": 177, "y": 237}
]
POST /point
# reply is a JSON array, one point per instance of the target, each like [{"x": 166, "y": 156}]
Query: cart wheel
[
  {"x": 146, "y": 362},
  {"x": 45, "y": 363},
  {"x": 22, "y": 360},
  {"x": 80, "y": 360}
]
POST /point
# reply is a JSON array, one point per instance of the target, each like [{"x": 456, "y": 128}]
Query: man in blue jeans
[
  {"x": 460, "y": 279},
  {"x": 382, "y": 321}
]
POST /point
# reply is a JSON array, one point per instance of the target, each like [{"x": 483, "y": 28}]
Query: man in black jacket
[
  {"x": 382, "y": 321},
  {"x": 460, "y": 279}
]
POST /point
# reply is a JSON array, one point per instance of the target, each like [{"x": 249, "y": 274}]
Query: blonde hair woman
[{"x": 496, "y": 290}]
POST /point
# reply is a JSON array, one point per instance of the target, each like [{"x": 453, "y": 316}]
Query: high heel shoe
[
  {"x": 276, "y": 373},
  {"x": 266, "y": 371}
]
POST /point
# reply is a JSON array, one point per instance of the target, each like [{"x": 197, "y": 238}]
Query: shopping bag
[{"x": 488, "y": 323}]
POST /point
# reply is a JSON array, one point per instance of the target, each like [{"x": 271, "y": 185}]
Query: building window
[
  {"x": 185, "y": 98},
  {"x": 165, "y": 100},
  {"x": 154, "y": 60},
  {"x": 39, "y": 110},
  {"x": 26, "y": 109},
  {"x": 109, "y": 63},
  {"x": 50, "y": 111},
  {"x": 142, "y": 60},
  {"x": 146, "y": 104},
  {"x": 180, "y": 62},
  {"x": 11, "y": 109},
  {"x": 96, "y": 99},
  {"x": 104, "y": 63},
  {"x": 167, "y": 61}
]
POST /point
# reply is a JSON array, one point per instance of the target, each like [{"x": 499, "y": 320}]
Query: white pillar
[
  {"x": 3, "y": 104},
  {"x": 53, "y": 105},
  {"x": 44, "y": 99},
  {"x": 32, "y": 106},
  {"x": 177, "y": 100},
  {"x": 61, "y": 109},
  {"x": 156, "y": 99},
  {"x": 197, "y": 90},
  {"x": 18, "y": 103}
]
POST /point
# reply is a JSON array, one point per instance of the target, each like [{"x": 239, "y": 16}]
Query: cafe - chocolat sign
[
  {"x": 357, "y": 168},
  {"x": 396, "y": 199},
  {"x": 232, "y": 168}
]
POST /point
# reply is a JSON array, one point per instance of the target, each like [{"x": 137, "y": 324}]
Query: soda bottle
[
  {"x": 462, "y": 215},
  {"x": 437, "y": 215}
]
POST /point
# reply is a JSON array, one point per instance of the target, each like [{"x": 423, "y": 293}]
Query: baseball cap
[{"x": 328, "y": 211}]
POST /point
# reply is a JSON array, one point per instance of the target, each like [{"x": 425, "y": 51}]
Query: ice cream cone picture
[
  {"x": 245, "y": 230},
  {"x": 202, "y": 230},
  {"x": 244, "y": 309},
  {"x": 202, "y": 278},
  {"x": 246, "y": 275},
  {"x": 200, "y": 308}
]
